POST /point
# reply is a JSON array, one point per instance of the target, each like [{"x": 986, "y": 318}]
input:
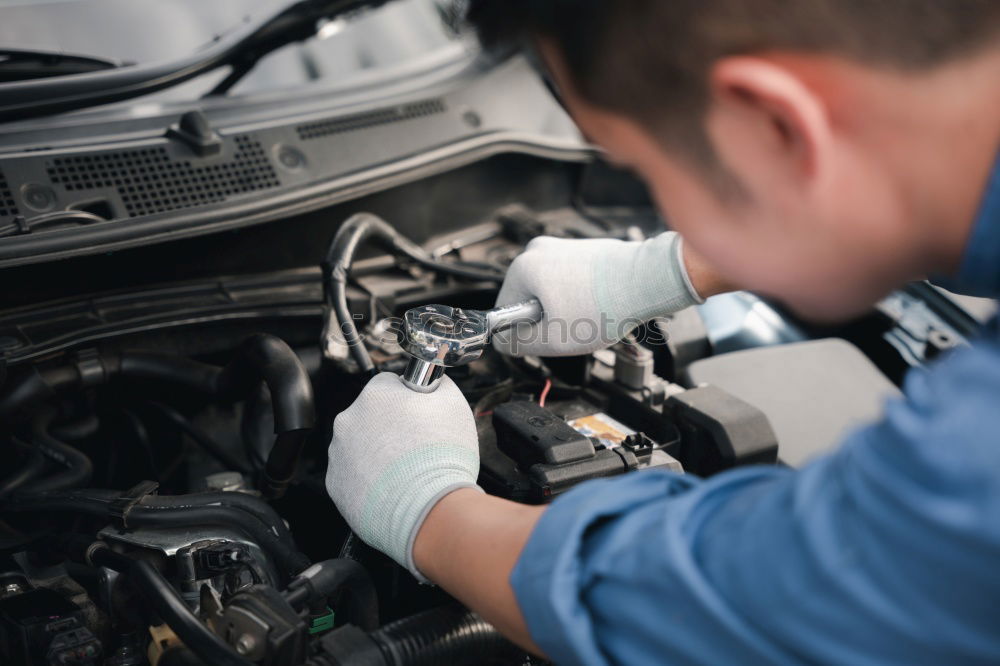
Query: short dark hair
[{"x": 650, "y": 58}]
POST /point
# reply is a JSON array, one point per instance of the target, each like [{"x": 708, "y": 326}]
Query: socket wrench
[{"x": 436, "y": 337}]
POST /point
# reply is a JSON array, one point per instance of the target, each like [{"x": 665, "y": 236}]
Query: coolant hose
[
  {"x": 259, "y": 358},
  {"x": 33, "y": 388},
  {"x": 169, "y": 606},
  {"x": 178, "y": 371},
  {"x": 269, "y": 359}
]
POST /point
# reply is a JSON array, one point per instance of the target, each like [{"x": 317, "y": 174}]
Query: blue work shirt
[{"x": 884, "y": 552}]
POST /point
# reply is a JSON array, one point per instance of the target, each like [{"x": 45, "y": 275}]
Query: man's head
[{"x": 807, "y": 148}]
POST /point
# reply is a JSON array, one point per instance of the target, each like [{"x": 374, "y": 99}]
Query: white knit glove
[
  {"x": 394, "y": 454},
  {"x": 593, "y": 292}
]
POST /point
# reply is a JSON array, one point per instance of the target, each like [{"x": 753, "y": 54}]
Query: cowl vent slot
[
  {"x": 360, "y": 121},
  {"x": 8, "y": 208}
]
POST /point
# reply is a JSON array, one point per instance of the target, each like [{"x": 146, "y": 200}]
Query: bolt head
[{"x": 245, "y": 644}]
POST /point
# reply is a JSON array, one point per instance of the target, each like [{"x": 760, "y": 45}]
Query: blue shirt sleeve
[{"x": 887, "y": 551}]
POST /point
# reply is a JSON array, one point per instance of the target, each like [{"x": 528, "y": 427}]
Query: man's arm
[
  {"x": 883, "y": 552},
  {"x": 469, "y": 545}
]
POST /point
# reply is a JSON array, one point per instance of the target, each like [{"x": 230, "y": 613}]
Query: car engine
[{"x": 165, "y": 448}]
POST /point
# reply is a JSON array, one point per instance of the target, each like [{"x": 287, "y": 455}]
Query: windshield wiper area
[
  {"x": 22, "y": 65},
  {"x": 71, "y": 89}
]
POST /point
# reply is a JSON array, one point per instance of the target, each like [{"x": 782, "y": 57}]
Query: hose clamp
[{"x": 90, "y": 366}]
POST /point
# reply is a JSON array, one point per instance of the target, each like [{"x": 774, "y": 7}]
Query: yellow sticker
[{"x": 600, "y": 426}]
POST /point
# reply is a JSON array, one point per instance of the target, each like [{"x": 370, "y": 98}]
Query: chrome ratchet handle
[
  {"x": 436, "y": 337},
  {"x": 500, "y": 319}
]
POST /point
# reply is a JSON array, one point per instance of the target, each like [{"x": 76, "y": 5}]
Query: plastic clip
[{"x": 120, "y": 508}]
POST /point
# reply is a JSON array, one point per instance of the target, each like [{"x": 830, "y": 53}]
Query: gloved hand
[
  {"x": 394, "y": 454},
  {"x": 593, "y": 292}
]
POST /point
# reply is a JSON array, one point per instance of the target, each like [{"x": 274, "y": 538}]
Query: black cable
[
  {"x": 164, "y": 600},
  {"x": 56, "y": 217},
  {"x": 357, "y": 230},
  {"x": 250, "y": 41},
  {"x": 465, "y": 269},
  {"x": 142, "y": 435}
]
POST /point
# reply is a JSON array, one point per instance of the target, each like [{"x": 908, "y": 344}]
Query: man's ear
[{"x": 763, "y": 118}]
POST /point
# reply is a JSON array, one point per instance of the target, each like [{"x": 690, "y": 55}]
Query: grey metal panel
[{"x": 814, "y": 393}]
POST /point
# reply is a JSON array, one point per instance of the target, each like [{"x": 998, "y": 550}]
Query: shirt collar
[{"x": 979, "y": 274}]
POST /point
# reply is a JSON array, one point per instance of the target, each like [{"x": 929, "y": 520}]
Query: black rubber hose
[
  {"x": 252, "y": 505},
  {"x": 169, "y": 606},
  {"x": 355, "y": 231},
  {"x": 251, "y": 426},
  {"x": 325, "y": 579},
  {"x": 267, "y": 358},
  {"x": 81, "y": 428},
  {"x": 66, "y": 502},
  {"x": 33, "y": 388},
  {"x": 259, "y": 358},
  {"x": 31, "y": 469},
  {"x": 447, "y": 636},
  {"x": 160, "y": 514},
  {"x": 176, "y": 370},
  {"x": 270, "y": 359},
  {"x": 287, "y": 557},
  {"x": 78, "y": 467},
  {"x": 282, "y": 463}
]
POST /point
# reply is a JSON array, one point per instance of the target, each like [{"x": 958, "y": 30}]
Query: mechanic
[{"x": 820, "y": 152}]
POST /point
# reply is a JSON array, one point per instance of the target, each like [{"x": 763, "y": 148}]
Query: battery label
[{"x": 600, "y": 426}]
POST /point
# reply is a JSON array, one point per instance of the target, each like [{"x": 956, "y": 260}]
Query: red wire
[{"x": 545, "y": 393}]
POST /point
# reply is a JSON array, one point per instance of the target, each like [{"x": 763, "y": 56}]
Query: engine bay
[{"x": 166, "y": 412}]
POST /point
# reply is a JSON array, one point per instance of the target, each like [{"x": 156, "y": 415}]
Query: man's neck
[{"x": 945, "y": 145}]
